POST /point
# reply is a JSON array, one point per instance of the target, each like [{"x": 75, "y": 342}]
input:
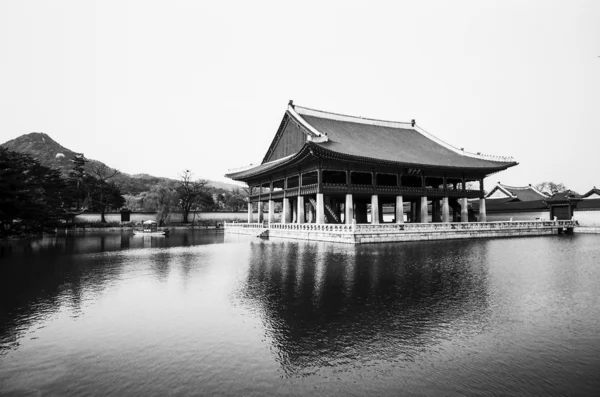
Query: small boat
[{"x": 150, "y": 228}]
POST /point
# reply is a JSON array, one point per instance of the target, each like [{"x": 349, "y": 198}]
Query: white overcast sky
[{"x": 162, "y": 86}]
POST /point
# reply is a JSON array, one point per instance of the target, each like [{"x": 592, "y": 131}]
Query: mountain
[{"x": 50, "y": 153}]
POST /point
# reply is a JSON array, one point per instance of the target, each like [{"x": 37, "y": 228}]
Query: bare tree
[
  {"x": 551, "y": 187},
  {"x": 104, "y": 191},
  {"x": 191, "y": 193}
]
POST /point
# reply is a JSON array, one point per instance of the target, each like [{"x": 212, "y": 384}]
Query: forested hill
[{"x": 52, "y": 154}]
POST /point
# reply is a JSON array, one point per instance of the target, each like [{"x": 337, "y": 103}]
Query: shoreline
[{"x": 80, "y": 230}]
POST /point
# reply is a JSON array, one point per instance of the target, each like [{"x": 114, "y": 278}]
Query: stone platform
[{"x": 367, "y": 233}]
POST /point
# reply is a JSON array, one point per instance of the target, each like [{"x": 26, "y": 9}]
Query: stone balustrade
[
  {"x": 430, "y": 227},
  {"x": 313, "y": 227},
  {"x": 367, "y": 233},
  {"x": 243, "y": 225}
]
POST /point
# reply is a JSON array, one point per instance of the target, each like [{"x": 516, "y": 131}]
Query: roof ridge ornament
[{"x": 313, "y": 134}]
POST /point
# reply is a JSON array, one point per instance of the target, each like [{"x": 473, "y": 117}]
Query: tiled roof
[
  {"x": 393, "y": 141},
  {"x": 492, "y": 205},
  {"x": 565, "y": 196},
  {"x": 365, "y": 140},
  {"x": 524, "y": 193},
  {"x": 592, "y": 191},
  {"x": 589, "y": 204}
]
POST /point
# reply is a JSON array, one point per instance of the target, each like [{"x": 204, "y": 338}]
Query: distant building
[{"x": 512, "y": 193}]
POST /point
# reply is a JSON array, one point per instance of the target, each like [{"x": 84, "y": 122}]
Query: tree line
[
  {"x": 188, "y": 196},
  {"x": 34, "y": 196}
]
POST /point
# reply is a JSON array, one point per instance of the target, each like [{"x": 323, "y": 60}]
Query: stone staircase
[{"x": 330, "y": 215}]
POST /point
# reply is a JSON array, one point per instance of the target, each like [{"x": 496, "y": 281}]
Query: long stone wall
[
  {"x": 586, "y": 218},
  {"x": 361, "y": 234},
  {"x": 174, "y": 217},
  {"x": 518, "y": 216}
]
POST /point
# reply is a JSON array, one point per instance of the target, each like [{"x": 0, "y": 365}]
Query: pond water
[{"x": 200, "y": 313}]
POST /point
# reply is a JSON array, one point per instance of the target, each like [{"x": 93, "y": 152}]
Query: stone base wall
[
  {"x": 364, "y": 234},
  {"x": 332, "y": 237},
  {"x": 459, "y": 234},
  {"x": 587, "y": 230}
]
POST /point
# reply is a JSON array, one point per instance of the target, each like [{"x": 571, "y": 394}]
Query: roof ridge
[
  {"x": 359, "y": 118},
  {"x": 518, "y": 187},
  {"x": 504, "y": 189}
]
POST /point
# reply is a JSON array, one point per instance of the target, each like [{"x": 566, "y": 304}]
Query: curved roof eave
[
  {"x": 251, "y": 173},
  {"x": 359, "y": 159},
  {"x": 315, "y": 150}
]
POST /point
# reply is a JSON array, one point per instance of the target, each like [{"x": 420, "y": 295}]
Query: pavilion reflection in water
[{"x": 327, "y": 304}]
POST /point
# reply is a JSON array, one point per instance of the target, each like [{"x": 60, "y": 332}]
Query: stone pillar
[
  {"x": 320, "y": 209},
  {"x": 261, "y": 217},
  {"x": 424, "y": 211},
  {"x": 286, "y": 216},
  {"x": 445, "y": 210},
  {"x": 464, "y": 210},
  {"x": 399, "y": 210},
  {"x": 249, "y": 212},
  {"x": 311, "y": 213},
  {"x": 300, "y": 215},
  {"x": 294, "y": 206},
  {"x": 348, "y": 210},
  {"x": 374, "y": 209},
  {"x": 482, "y": 211},
  {"x": 271, "y": 217}
]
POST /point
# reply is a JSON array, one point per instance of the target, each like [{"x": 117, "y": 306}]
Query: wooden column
[
  {"x": 399, "y": 210},
  {"x": 417, "y": 218},
  {"x": 374, "y": 209},
  {"x": 300, "y": 210},
  {"x": 424, "y": 212},
  {"x": 361, "y": 212},
  {"x": 348, "y": 210},
  {"x": 435, "y": 210}
]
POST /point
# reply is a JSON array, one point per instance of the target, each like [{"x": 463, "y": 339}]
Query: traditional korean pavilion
[{"x": 331, "y": 168}]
